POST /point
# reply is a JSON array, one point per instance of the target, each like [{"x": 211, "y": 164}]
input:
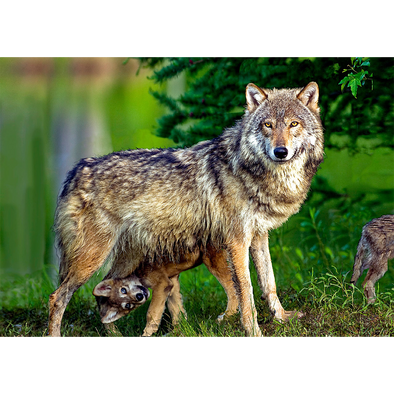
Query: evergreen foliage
[{"x": 356, "y": 95}]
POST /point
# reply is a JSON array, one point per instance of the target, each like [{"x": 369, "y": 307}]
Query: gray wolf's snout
[
  {"x": 140, "y": 296},
  {"x": 281, "y": 152}
]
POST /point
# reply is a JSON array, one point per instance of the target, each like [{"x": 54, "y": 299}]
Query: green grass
[
  {"x": 312, "y": 276},
  {"x": 332, "y": 308}
]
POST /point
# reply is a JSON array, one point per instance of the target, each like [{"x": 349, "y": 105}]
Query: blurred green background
[
  {"x": 55, "y": 111},
  {"x": 52, "y": 113}
]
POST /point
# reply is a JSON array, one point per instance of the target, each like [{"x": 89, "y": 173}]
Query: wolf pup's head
[
  {"x": 288, "y": 120},
  {"x": 118, "y": 297}
]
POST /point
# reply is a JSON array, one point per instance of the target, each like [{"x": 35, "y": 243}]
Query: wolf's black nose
[
  {"x": 144, "y": 291},
  {"x": 280, "y": 152},
  {"x": 139, "y": 296}
]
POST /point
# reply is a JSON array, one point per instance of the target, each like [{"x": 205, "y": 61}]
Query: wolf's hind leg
[
  {"x": 376, "y": 271},
  {"x": 82, "y": 266},
  {"x": 360, "y": 262}
]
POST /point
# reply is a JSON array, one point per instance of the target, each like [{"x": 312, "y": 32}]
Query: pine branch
[
  {"x": 166, "y": 100},
  {"x": 170, "y": 71}
]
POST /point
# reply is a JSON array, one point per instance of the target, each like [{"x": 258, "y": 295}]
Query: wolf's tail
[{"x": 357, "y": 267}]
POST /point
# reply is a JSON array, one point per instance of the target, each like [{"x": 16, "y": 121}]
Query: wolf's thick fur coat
[{"x": 227, "y": 192}]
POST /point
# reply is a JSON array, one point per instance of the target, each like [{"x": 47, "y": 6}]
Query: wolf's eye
[
  {"x": 293, "y": 124},
  {"x": 123, "y": 290},
  {"x": 268, "y": 124},
  {"x": 127, "y": 306}
]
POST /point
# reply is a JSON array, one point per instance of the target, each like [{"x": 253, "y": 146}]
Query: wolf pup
[
  {"x": 229, "y": 191},
  {"x": 375, "y": 248},
  {"x": 115, "y": 298},
  {"x": 121, "y": 297}
]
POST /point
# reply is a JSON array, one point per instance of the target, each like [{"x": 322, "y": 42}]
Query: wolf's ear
[
  {"x": 104, "y": 288},
  {"x": 309, "y": 96},
  {"x": 254, "y": 96},
  {"x": 110, "y": 315}
]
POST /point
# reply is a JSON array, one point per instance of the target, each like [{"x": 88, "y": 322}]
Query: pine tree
[{"x": 215, "y": 95}]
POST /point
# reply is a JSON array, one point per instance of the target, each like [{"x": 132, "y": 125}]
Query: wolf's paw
[
  {"x": 225, "y": 316},
  {"x": 370, "y": 295},
  {"x": 285, "y": 316},
  {"x": 221, "y": 317}
]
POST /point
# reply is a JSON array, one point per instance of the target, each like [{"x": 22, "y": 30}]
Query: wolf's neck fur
[{"x": 272, "y": 191}]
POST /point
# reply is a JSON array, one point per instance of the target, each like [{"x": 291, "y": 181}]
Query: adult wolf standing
[{"x": 227, "y": 192}]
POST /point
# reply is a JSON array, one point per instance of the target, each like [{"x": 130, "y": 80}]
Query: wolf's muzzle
[
  {"x": 281, "y": 152},
  {"x": 144, "y": 293}
]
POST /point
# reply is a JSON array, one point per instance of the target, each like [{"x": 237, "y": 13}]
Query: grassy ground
[
  {"x": 312, "y": 276},
  {"x": 332, "y": 307}
]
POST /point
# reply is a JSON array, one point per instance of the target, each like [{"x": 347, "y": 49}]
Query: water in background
[{"x": 52, "y": 113}]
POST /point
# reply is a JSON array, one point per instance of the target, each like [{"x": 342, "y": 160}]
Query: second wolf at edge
[{"x": 227, "y": 192}]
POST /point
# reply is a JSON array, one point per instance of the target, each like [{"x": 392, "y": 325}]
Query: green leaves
[{"x": 355, "y": 79}]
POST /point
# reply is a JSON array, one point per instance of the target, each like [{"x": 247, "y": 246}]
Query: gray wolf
[
  {"x": 227, "y": 192},
  {"x": 116, "y": 297},
  {"x": 375, "y": 248}
]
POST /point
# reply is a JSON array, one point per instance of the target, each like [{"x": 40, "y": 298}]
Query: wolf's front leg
[
  {"x": 239, "y": 265},
  {"x": 265, "y": 274}
]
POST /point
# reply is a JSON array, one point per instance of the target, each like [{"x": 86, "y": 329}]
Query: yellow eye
[
  {"x": 293, "y": 124},
  {"x": 268, "y": 124}
]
